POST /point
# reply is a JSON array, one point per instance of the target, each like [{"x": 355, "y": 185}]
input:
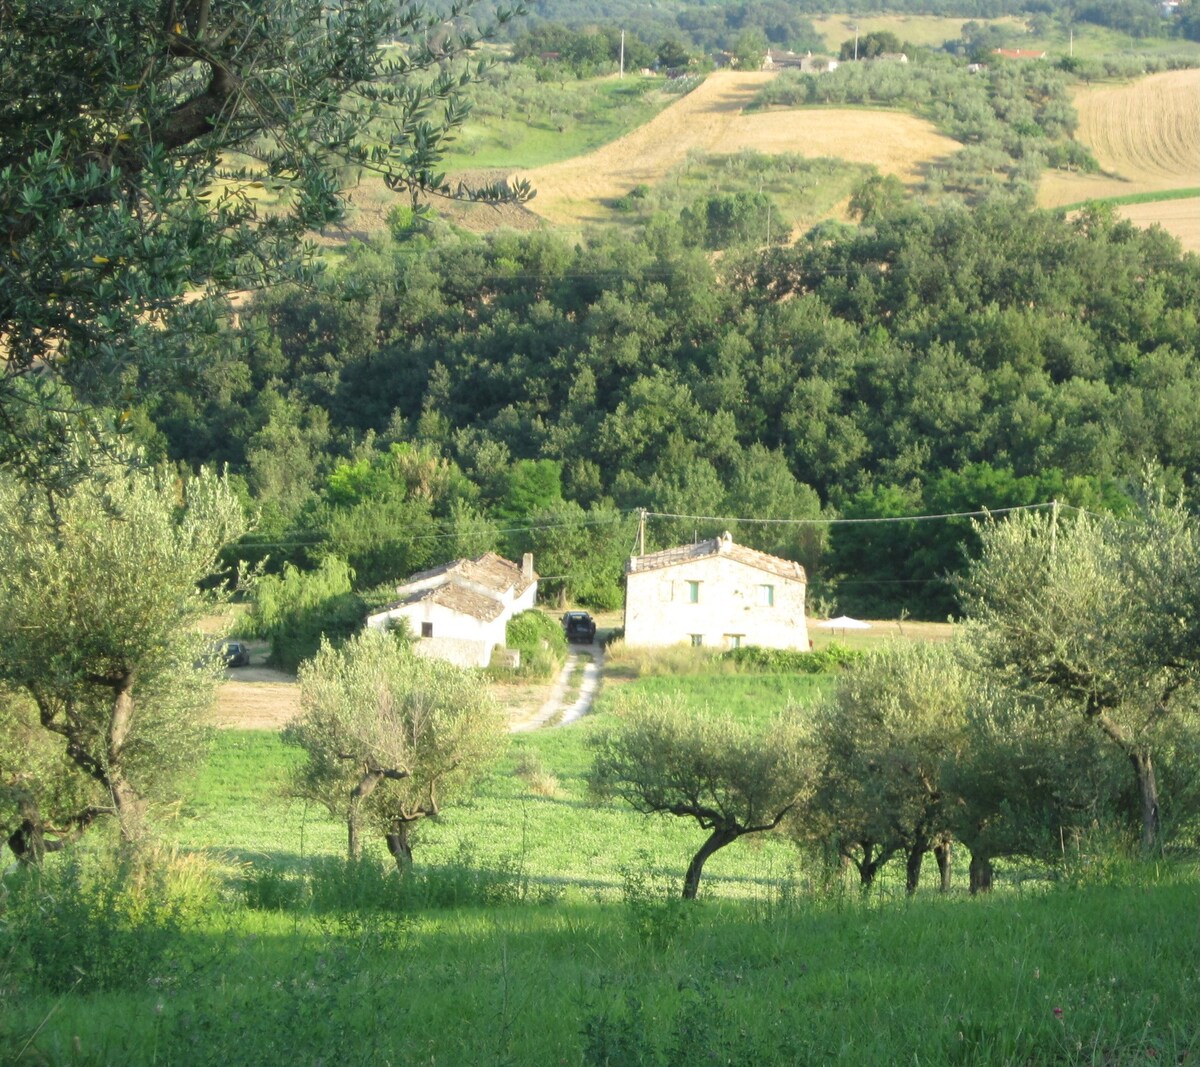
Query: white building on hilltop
[
  {"x": 716, "y": 594},
  {"x": 459, "y": 611}
]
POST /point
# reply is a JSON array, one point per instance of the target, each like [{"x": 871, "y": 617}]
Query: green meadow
[
  {"x": 539, "y": 927},
  {"x": 518, "y": 121}
]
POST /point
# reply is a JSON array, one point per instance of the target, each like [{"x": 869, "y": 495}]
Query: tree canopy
[
  {"x": 389, "y": 736},
  {"x": 1099, "y": 617},
  {"x": 99, "y": 603},
  {"x": 154, "y": 149}
]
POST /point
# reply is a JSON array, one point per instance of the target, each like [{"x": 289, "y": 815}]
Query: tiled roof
[
  {"x": 490, "y": 570},
  {"x": 783, "y": 568},
  {"x": 456, "y": 597}
]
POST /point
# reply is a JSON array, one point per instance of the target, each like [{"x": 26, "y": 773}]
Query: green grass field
[
  {"x": 539, "y": 928},
  {"x": 518, "y": 122},
  {"x": 1157, "y": 197}
]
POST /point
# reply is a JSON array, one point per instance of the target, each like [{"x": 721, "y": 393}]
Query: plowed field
[
  {"x": 711, "y": 120},
  {"x": 1146, "y": 137}
]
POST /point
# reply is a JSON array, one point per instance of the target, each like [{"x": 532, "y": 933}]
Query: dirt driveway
[{"x": 261, "y": 698}]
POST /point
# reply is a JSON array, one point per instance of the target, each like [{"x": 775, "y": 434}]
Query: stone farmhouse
[
  {"x": 459, "y": 611},
  {"x": 717, "y": 594}
]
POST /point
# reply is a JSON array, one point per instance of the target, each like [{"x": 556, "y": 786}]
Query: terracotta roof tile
[
  {"x": 456, "y": 597},
  {"x": 783, "y": 568},
  {"x": 490, "y": 570}
]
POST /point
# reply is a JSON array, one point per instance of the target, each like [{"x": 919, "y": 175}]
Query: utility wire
[
  {"x": 842, "y": 522},
  {"x": 444, "y": 530}
]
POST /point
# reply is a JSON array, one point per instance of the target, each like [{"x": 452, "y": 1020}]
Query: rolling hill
[
  {"x": 711, "y": 120},
  {"x": 1146, "y": 137}
]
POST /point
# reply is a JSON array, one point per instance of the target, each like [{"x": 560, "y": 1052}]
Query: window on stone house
[
  {"x": 426, "y": 629},
  {"x": 766, "y": 596},
  {"x": 693, "y": 592}
]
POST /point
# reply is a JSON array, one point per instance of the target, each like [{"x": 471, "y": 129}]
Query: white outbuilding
[{"x": 460, "y": 610}]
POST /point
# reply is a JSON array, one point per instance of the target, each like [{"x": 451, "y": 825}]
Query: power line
[
  {"x": 443, "y": 530},
  {"x": 982, "y": 513}
]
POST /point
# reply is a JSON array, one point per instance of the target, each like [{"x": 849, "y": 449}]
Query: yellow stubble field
[
  {"x": 1146, "y": 136},
  {"x": 711, "y": 120}
]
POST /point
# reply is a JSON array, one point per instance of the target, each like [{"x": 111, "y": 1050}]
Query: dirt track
[{"x": 710, "y": 120}]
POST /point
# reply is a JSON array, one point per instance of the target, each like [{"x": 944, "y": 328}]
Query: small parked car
[
  {"x": 579, "y": 627},
  {"x": 235, "y": 654}
]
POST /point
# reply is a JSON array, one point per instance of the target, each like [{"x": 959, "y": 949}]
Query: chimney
[{"x": 527, "y": 566}]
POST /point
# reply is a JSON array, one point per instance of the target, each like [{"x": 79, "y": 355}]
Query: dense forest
[{"x": 439, "y": 393}]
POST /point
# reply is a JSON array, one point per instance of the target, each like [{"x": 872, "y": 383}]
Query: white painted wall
[
  {"x": 463, "y": 639},
  {"x": 732, "y": 606}
]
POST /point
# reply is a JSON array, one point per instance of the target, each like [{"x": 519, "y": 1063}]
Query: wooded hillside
[{"x": 937, "y": 359}]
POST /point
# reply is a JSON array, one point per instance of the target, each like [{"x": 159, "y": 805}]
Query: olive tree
[
  {"x": 1028, "y": 781},
  {"x": 881, "y": 743},
  {"x": 154, "y": 150},
  {"x": 99, "y": 603},
  {"x": 389, "y": 736},
  {"x": 731, "y": 778},
  {"x": 1099, "y": 616},
  {"x": 44, "y": 802}
]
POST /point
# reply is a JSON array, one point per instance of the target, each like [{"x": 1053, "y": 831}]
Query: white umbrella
[{"x": 844, "y": 622}]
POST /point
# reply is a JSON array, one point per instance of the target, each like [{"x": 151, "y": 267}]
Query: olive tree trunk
[
  {"x": 944, "y": 855},
  {"x": 1143, "y": 767},
  {"x": 981, "y": 873},
  {"x": 399, "y": 846},
  {"x": 718, "y": 839}
]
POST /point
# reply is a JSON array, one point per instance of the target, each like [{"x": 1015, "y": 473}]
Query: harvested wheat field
[
  {"x": 711, "y": 120},
  {"x": 1146, "y": 137}
]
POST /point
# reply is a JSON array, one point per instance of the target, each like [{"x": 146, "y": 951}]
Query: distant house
[
  {"x": 808, "y": 63},
  {"x": 716, "y": 594},
  {"x": 891, "y": 57},
  {"x": 459, "y": 611},
  {"x": 1019, "y": 53}
]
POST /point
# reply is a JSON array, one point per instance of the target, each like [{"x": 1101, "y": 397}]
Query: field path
[
  {"x": 556, "y": 709},
  {"x": 711, "y": 120}
]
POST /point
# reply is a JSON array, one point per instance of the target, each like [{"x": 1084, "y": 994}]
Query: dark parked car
[
  {"x": 235, "y": 653},
  {"x": 579, "y": 627}
]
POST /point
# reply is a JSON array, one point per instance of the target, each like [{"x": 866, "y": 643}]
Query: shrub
[
  {"x": 791, "y": 661},
  {"x": 272, "y": 888},
  {"x": 533, "y": 773},
  {"x": 656, "y": 913},
  {"x": 107, "y": 921},
  {"x": 541, "y": 642},
  {"x": 353, "y": 886}
]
